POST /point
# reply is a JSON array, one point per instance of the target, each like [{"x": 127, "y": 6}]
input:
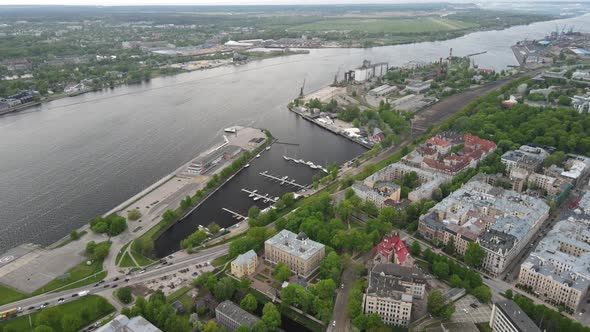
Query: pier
[
  {"x": 258, "y": 196},
  {"x": 235, "y": 214},
  {"x": 287, "y": 143},
  {"x": 282, "y": 180}
]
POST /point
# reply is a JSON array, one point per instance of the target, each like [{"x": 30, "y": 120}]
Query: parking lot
[
  {"x": 464, "y": 312},
  {"x": 181, "y": 278}
]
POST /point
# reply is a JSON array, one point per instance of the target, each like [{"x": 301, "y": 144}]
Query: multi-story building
[
  {"x": 391, "y": 291},
  {"x": 559, "y": 268},
  {"x": 526, "y": 157},
  {"x": 393, "y": 248},
  {"x": 231, "y": 316},
  {"x": 501, "y": 221},
  {"x": 122, "y": 323},
  {"x": 298, "y": 252},
  {"x": 508, "y": 317},
  {"x": 428, "y": 181},
  {"x": 245, "y": 264},
  {"x": 382, "y": 194}
]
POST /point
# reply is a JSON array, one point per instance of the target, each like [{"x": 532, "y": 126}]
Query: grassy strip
[
  {"x": 127, "y": 261},
  {"x": 8, "y": 295},
  {"x": 77, "y": 273},
  {"x": 82, "y": 233},
  {"x": 220, "y": 261},
  {"x": 178, "y": 293},
  {"x": 120, "y": 253},
  {"x": 87, "y": 309},
  {"x": 141, "y": 259}
]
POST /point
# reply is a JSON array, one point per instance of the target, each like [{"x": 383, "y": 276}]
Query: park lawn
[
  {"x": 95, "y": 305},
  {"x": 141, "y": 259},
  {"x": 78, "y": 272},
  {"x": 386, "y": 26},
  {"x": 8, "y": 295},
  {"x": 120, "y": 253},
  {"x": 126, "y": 261}
]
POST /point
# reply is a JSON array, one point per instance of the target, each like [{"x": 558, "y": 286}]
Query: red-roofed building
[
  {"x": 474, "y": 150},
  {"x": 392, "y": 246}
]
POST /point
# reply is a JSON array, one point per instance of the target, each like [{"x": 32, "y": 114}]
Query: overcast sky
[{"x": 214, "y": 2}]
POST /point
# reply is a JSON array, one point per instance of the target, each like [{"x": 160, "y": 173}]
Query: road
[{"x": 201, "y": 257}]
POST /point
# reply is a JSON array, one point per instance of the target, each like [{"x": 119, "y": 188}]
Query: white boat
[
  {"x": 287, "y": 158},
  {"x": 284, "y": 177},
  {"x": 258, "y": 155},
  {"x": 230, "y": 130},
  {"x": 314, "y": 166},
  {"x": 309, "y": 163},
  {"x": 256, "y": 198},
  {"x": 276, "y": 198},
  {"x": 247, "y": 165},
  {"x": 267, "y": 148},
  {"x": 299, "y": 161}
]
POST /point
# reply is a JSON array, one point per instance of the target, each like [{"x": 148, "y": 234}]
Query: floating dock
[
  {"x": 235, "y": 214},
  {"x": 282, "y": 180},
  {"x": 265, "y": 198}
]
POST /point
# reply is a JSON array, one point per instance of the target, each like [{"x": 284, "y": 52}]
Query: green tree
[
  {"x": 324, "y": 289},
  {"x": 249, "y": 303},
  {"x": 40, "y": 328},
  {"x": 144, "y": 246},
  {"x": 474, "y": 254},
  {"x": 133, "y": 214},
  {"x": 482, "y": 293},
  {"x": 212, "y": 326},
  {"x": 331, "y": 267},
  {"x": 186, "y": 203},
  {"x": 271, "y": 316},
  {"x": 415, "y": 248},
  {"x": 225, "y": 289},
  {"x": 450, "y": 246},
  {"x": 242, "y": 328},
  {"x": 74, "y": 235},
  {"x": 259, "y": 326},
  {"x": 253, "y": 212},
  {"x": 508, "y": 294},
  {"x": 437, "y": 306},
  {"x": 213, "y": 228},
  {"x": 281, "y": 272},
  {"x": 124, "y": 295},
  {"x": 440, "y": 269}
]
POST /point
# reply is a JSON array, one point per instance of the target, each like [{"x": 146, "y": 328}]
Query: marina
[{"x": 307, "y": 163}]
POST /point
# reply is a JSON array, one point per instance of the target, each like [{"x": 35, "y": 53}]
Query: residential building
[
  {"x": 581, "y": 103},
  {"x": 298, "y": 252},
  {"x": 393, "y": 248},
  {"x": 508, "y": 317},
  {"x": 526, "y": 157},
  {"x": 381, "y": 194},
  {"x": 428, "y": 181},
  {"x": 245, "y": 264},
  {"x": 501, "y": 221},
  {"x": 231, "y": 316},
  {"x": 122, "y": 323},
  {"x": 558, "y": 269},
  {"x": 391, "y": 291},
  {"x": 473, "y": 151}
]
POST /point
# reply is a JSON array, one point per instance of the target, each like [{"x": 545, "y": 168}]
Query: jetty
[
  {"x": 265, "y": 198},
  {"x": 235, "y": 214},
  {"x": 308, "y": 163},
  {"x": 282, "y": 180}
]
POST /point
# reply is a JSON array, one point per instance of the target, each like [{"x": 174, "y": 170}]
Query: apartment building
[
  {"x": 391, "y": 291},
  {"x": 382, "y": 194},
  {"x": 501, "y": 221},
  {"x": 558, "y": 269},
  {"x": 298, "y": 252},
  {"x": 508, "y": 317}
]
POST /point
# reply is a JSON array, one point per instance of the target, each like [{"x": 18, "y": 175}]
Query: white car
[{"x": 141, "y": 271}]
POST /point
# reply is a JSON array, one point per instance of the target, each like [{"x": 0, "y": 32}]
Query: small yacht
[
  {"x": 230, "y": 130},
  {"x": 247, "y": 165},
  {"x": 258, "y": 155},
  {"x": 267, "y": 148},
  {"x": 256, "y": 198}
]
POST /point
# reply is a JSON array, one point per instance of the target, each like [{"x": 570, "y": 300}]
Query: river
[{"x": 69, "y": 160}]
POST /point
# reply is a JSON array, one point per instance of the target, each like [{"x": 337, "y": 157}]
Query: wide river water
[{"x": 69, "y": 160}]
